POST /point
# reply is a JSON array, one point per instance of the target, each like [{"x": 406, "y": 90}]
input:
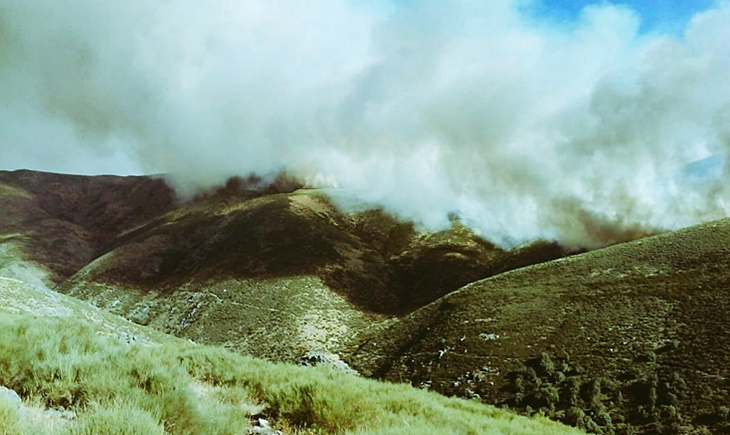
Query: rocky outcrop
[
  {"x": 313, "y": 358},
  {"x": 40, "y": 417}
]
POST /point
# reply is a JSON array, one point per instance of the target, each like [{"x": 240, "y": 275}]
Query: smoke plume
[{"x": 588, "y": 132}]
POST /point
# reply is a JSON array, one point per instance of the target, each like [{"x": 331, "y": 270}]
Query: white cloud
[{"x": 524, "y": 128}]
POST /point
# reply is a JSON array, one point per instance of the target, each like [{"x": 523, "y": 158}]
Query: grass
[
  {"x": 183, "y": 388},
  {"x": 10, "y": 419}
]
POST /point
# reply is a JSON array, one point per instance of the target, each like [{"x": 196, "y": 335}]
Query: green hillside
[{"x": 79, "y": 370}]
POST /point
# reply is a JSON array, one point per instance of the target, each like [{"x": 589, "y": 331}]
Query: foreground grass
[{"x": 180, "y": 387}]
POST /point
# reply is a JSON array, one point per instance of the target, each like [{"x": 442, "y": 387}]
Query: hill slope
[
  {"x": 633, "y": 337},
  {"x": 79, "y": 370},
  {"x": 62, "y": 222}
]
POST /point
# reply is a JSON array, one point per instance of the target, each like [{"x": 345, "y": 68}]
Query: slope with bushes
[{"x": 630, "y": 338}]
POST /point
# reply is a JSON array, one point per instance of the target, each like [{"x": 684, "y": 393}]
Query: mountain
[
  {"x": 272, "y": 270},
  {"x": 630, "y": 338},
  {"x": 62, "y": 222}
]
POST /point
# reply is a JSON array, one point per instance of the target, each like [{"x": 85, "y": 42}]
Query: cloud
[{"x": 523, "y": 127}]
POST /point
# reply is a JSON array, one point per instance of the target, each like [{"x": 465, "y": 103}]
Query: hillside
[
  {"x": 63, "y": 222},
  {"x": 634, "y": 337},
  {"x": 68, "y": 367}
]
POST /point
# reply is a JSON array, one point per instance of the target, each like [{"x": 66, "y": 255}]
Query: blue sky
[{"x": 663, "y": 16}]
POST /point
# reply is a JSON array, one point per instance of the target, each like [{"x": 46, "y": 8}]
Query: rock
[
  {"x": 10, "y": 396},
  {"x": 263, "y": 427},
  {"x": 59, "y": 414},
  {"x": 140, "y": 314},
  {"x": 331, "y": 360},
  {"x": 126, "y": 337},
  {"x": 263, "y": 431}
]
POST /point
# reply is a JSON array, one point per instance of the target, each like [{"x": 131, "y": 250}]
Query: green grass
[
  {"x": 182, "y": 388},
  {"x": 10, "y": 420}
]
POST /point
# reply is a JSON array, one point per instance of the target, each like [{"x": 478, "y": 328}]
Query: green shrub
[{"x": 117, "y": 418}]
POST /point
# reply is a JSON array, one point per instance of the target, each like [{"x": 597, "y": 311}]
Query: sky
[
  {"x": 582, "y": 122},
  {"x": 662, "y": 16}
]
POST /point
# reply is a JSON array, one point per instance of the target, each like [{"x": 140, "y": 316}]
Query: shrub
[{"x": 116, "y": 419}]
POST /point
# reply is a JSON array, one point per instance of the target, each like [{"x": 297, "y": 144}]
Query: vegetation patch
[{"x": 633, "y": 338}]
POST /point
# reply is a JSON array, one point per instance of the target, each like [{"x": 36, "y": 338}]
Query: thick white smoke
[{"x": 523, "y": 127}]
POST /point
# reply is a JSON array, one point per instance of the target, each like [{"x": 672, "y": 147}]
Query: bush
[{"x": 116, "y": 419}]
